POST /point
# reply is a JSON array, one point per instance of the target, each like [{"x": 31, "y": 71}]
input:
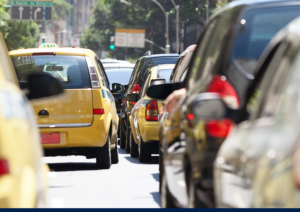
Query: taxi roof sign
[{"x": 48, "y": 45}]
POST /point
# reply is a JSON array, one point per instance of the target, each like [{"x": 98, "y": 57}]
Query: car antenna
[{"x": 148, "y": 53}]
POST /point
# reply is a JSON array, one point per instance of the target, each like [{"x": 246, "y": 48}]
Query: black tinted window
[
  {"x": 121, "y": 76},
  {"x": 72, "y": 71},
  {"x": 257, "y": 28},
  {"x": 164, "y": 60}
]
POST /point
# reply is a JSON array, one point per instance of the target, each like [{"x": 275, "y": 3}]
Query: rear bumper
[
  {"x": 149, "y": 131},
  {"x": 92, "y": 136}
]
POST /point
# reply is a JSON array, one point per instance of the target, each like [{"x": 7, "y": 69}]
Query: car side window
[
  {"x": 268, "y": 94},
  {"x": 147, "y": 67},
  {"x": 145, "y": 86},
  {"x": 199, "y": 53},
  {"x": 104, "y": 83},
  {"x": 134, "y": 71}
]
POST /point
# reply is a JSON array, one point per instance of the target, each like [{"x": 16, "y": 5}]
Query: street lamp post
[
  {"x": 177, "y": 25},
  {"x": 167, "y": 26}
]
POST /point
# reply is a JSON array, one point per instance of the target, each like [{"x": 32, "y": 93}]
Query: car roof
[
  {"x": 165, "y": 66},
  {"x": 58, "y": 51},
  {"x": 118, "y": 65},
  {"x": 251, "y": 2},
  {"x": 161, "y": 55}
]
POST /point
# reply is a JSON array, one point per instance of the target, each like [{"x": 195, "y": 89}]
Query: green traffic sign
[{"x": 32, "y": 3}]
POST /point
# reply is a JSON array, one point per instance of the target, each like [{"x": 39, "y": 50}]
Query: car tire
[
  {"x": 193, "y": 201},
  {"x": 160, "y": 164},
  {"x": 122, "y": 136},
  {"x": 165, "y": 197},
  {"x": 127, "y": 144},
  {"x": 115, "y": 155},
  {"x": 144, "y": 151},
  {"x": 103, "y": 157},
  {"x": 134, "y": 152}
]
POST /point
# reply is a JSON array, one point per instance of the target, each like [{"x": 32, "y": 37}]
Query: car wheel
[
  {"x": 115, "y": 155},
  {"x": 193, "y": 200},
  {"x": 103, "y": 157},
  {"x": 165, "y": 201},
  {"x": 127, "y": 144},
  {"x": 160, "y": 168},
  {"x": 144, "y": 151},
  {"x": 134, "y": 152},
  {"x": 122, "y": 136}
]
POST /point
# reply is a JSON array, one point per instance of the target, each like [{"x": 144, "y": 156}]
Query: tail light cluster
[
  {"x": 123, "y": 102},
  {"x": 4, "y": 169},
  {"x": 152, "y": 111},
  {"x": 99, "y": 111},
  {"x": 93, "y": 74},
  {"x": 135, "y": 89},
  {"x": 219, "y": 84}
]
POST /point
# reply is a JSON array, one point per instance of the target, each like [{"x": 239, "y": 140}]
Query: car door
[
  {"x": 236, "y": 163},
  {"x": 138, "y": 111},
  {"x": 110, "y": 101}
]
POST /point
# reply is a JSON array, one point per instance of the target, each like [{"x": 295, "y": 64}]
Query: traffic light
[
  {"x": 112, "y": 46},
  {"x": 112, "y": 43},
  {"x": 43, "y": 40}
]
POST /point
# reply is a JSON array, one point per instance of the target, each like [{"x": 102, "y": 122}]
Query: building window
[{"x": 91, "y": 2}]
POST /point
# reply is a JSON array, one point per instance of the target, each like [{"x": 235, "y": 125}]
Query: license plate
[{"x": 50, "y": 138}]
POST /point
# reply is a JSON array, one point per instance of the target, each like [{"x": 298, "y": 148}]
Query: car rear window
[
  {"x": 72, "y": 71},
  {"x": 164, "y": 74},
  {"x": 256, "y": 30},
  {"x": 121, "y": 76},
  {"x": 164, "y": 60}
]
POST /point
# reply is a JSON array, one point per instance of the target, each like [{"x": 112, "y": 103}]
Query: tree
[
  {"x": 17, "y": 34},
  {"x": 61, "y": 8},
  {"x": 141, "y": 14}
]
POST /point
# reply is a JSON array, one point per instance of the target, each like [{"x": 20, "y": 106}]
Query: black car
[
  {"x": 224, "y": 63},
  {"x": 140, "y": 71}
]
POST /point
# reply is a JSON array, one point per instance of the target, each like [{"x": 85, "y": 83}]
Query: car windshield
[
  {"x": 119, "y": 76},
  {"x": 72, "y": 71},
  {"x": 256, "y": 30},
  {"x": 164, "y": 74}
]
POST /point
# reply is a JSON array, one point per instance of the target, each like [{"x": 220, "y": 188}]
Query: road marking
[
  {"x": 51, "y": 174},
  {"x": 58, "y": 203}
]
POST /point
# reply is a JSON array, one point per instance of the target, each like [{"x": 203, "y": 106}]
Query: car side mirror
[
  {"x": 42, "y": 85},
  {"x": 157, "y": 82},
  {"x": 118, "y": 88},
  {"x": 162, "y": 91},
  {"x": 132, "y": 97}
]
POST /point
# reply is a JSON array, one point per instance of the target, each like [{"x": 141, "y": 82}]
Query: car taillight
[
  {"x": 123, "y": 102},
  {"x": 4, "y": 169},
  {"x": 152, "y": 111},
  {"x": 99, "y": 111},
  {"x": 93, "y": 74},
  {"x": 136, "y": 88},
  {"x": 219, "y": 84},
  {"x": 221, "y": 128},
  {"x": 296, "y": 166}
]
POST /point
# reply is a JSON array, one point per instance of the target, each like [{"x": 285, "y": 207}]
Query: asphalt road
[{"x": 75, "y": 182}]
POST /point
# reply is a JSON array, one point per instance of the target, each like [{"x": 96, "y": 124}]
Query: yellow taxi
[
  {"x": 144, "y": 137},
  {"x": 23, "y": 176},
  {"x": 82, "y": 122}
]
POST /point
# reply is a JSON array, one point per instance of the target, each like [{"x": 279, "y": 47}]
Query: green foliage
[
  {"x": 17, "y": 34},
  {"x": 220, "y": 5},
  {"x": 61, "y": 8},
  {"x": 141, "y": 14}
]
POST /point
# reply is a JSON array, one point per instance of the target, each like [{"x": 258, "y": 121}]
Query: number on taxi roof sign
[{"x": 48, "y": 45}]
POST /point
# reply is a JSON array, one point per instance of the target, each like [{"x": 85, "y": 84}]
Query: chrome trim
[{"x": 62, "y": 125}]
